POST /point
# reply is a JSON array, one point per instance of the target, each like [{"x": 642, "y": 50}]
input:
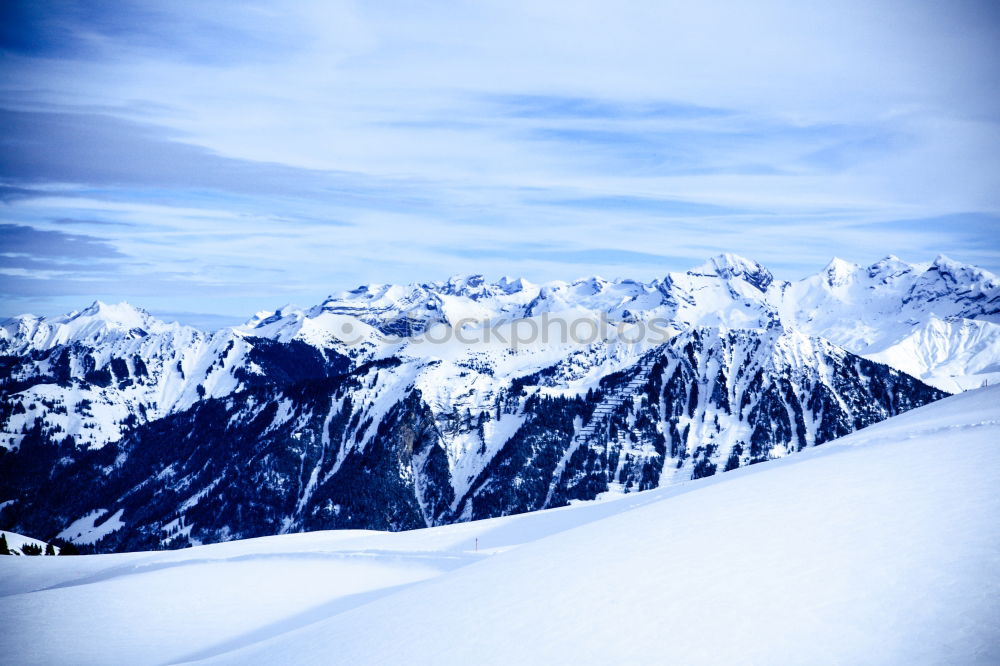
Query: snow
[
  {"x": 16, "y": 543},
  {"x": 85, "y": 531},
  {"x": 876, "y": 548},
  {"x": 953, "y": 355},
  {"x": 99, "y": 321}
]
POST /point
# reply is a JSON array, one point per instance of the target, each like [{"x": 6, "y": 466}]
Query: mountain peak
[
  {"x": 511, "y": 285},
  {"x": 728, "y": 265},
  {"x": 955, "y": 271},
  {"x": 945, "y": 263},
  {"x": 889, "y": 268},
  {"x": 462, "y": 285},
  {"x": 839, "y": 265},
  {"x": 123, "y": 314},
  {"x": 838, "y": 271},
  {"x": 596, "y": 283}
]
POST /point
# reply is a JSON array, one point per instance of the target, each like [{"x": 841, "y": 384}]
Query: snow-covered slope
[
  {"x": 16, "y": 544},
  {"x": 952, "y": 354},
  {"x": 92, "y": 375},
  {"x": 95, "y": 372},
  {"x": 934, "y": 321},
  {"x": 879, "y": 548}
]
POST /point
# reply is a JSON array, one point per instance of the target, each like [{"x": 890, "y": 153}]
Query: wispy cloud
[
  {"x": 102, "y": 150},
  {"x": 561, "y": 107},
  {"x": 650, "y": 205},
  {"x": 590, "y": 257},
  {"x": 71, "y": 222},
  {"x": 227, "y": 156},
  {"x": 19, "y": 239}
]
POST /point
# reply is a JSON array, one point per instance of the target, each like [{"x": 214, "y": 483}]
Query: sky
[{"x": 209, "y": 160}]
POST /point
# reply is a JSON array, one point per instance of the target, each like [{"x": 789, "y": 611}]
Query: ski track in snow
[{"x": 875, "y": 548}]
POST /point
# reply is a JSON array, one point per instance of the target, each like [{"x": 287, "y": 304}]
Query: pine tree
[
  {"x": 4, "y": 550},
  {"x": 66, "y": 547},
  {"x": 733, "y": 462},
  {"x": 481, "y": 426},
  {"x": 50, "y": 549}
]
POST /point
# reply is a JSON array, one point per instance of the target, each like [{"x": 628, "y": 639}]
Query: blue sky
[{"x": 207, "y": 160}]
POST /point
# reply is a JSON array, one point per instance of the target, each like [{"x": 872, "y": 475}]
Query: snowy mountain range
[{"x": 394, "y": 407}]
